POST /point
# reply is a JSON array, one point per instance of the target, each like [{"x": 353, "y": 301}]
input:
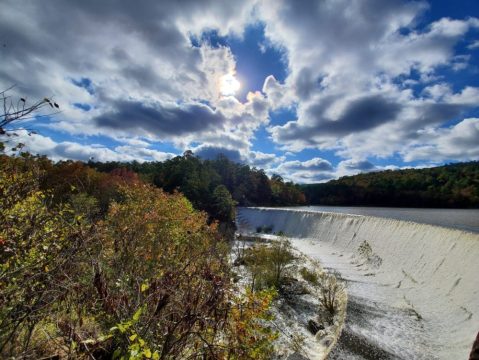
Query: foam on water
[{"x": 418, "y": 299}]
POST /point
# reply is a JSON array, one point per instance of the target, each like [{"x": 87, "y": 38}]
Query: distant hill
[{"x": 450, "y": 186}]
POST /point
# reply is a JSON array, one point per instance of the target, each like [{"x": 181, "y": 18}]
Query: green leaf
[
  {"x": 133, "y": 337},
  {"x": 116, "y": 354},
  {"x": 121, "y": 328},
  {"x": 105, "y": 337},
  {"x": 137, "y": 314}
]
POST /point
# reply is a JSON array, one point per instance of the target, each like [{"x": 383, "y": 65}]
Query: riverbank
[{"x": 305, "y": 329}]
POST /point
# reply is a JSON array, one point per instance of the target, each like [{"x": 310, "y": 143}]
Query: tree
[
  {"x": 223, "y": 204},
  {"x": 20, "y": 109}
]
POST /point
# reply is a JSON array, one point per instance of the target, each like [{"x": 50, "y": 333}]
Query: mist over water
[{"x": 463, "y": 219}]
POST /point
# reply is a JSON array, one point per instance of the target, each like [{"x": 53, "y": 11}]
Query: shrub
[
  {"x": 269, "y": 263},
  {"x": 332, "y": 292},
  {"x": 149, "y": 279},
  {"x": 309, "y": 276}
]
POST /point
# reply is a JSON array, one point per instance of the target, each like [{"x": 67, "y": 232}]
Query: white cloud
[
  {"x": 44, "y": 145},
  {"x": 459, "y": 142},
  {"x": 350, "y": 64},
  {"x": 353, "y": 73}
]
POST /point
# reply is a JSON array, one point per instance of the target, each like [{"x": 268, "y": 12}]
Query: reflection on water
[{"x": 464, "y": 219}]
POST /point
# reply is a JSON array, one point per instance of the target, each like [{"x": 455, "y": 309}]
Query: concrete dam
[{"x": 413, "y": 289}]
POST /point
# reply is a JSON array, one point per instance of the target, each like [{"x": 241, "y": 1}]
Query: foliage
[
  {"x": 144, "y": 277},
  {"x": 223, "y": 204},
  {"x": 39, "y": 251},
  {"x": 269, "y": 264},
  {"x": 199, "y": 179},
  {"x": 331, "y": 292},
  {"x": 450, "y": 186},
  {"x": 248, "y": 337},
  {"x": 309, "y": 276}
]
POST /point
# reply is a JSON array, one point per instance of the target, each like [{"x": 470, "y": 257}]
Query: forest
[
  {"x": 448, "y": 186},
  {"x": 214, "y": 186}
]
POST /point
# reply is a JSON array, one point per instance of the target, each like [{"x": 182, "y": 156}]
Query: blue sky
[{"x": 327, "y": 88}]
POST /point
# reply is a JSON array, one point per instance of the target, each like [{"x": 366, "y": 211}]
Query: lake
[{"x": 463, "y": 219}]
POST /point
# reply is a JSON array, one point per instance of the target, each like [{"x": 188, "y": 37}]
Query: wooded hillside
[{"x": 449, "y": 186}]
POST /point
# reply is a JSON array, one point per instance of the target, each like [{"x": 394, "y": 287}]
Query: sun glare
[{"x": 229, "y": 85}]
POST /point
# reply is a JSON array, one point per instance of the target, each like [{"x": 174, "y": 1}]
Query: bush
[
  {"x": 149, "y": 279},
  {"x": 269, "y": 263},
  {"x": 309, "y": 276},
  {"x": 331, "y": 293}
]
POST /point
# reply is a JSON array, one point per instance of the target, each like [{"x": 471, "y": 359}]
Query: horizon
[{"x": 310, "y": 90}]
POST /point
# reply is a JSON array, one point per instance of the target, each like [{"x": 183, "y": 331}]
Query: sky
[{"x": 309, "y": 90}]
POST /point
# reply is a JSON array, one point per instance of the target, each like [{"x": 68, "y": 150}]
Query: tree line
[
  {"x": 448, "y": 186},
  {"x": 215, "y": 186}
]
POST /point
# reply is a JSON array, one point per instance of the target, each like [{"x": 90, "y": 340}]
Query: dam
[{"x": 413, "y": 289}]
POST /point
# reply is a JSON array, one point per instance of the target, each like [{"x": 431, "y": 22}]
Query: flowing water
[
  {"x": 413, "y": 288},
  {"x": 462, "y": 219}
]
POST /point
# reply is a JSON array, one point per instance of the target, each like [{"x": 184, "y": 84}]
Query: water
[
  {"x": 413, "y": 295},
  {"x": 463, "y": 219}
]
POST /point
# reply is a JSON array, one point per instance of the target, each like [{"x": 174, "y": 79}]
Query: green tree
[{"x": 223, "y": 204}]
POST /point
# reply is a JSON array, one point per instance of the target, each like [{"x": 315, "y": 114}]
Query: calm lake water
[{"x": 464, "y": 219}]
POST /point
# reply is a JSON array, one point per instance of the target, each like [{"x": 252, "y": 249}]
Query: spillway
[{"x": 413, "y": 288}]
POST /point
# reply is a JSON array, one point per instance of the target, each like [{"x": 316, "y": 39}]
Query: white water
[{"x": 419, "y": 301}]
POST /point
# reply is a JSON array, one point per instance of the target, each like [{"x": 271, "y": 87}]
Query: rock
[
  {"x": 320, "y": 334},
  {"x": 314, "y": 327},
  {"x": 296, "y": 356},
  {"x": 327, "y": 341},
  {"x": 239, "y": 261},
  {"x": 292, "y": 287}
]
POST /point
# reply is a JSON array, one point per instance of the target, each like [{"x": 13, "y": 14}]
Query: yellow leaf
[
  {"x": 147, "y": 353},
  {"x": 133, "y": 337}
]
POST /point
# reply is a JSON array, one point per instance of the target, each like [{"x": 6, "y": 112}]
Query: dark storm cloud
[{"x": 169, "y": 120}]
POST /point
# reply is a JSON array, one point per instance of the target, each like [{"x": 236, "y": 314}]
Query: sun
[{"x": 229, "y": 85}]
